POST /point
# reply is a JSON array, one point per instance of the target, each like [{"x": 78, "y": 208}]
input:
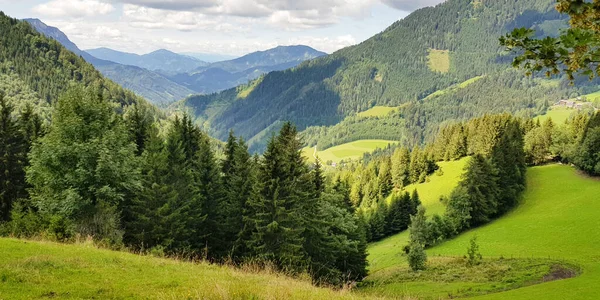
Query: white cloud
[
  {"x": 151, "y": 18},
  {"x": 284, "y": 14},
  {"x": 105, "y": 31},
  {"x": 411, "y": 5},
  {"x": 73, "y": 8}
]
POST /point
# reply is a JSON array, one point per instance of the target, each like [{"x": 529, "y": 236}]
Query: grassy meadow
[
  {"x": 559, "y": 115},
  {"x": 348, "y": 151},
  {"x": 439, "y": 60},
  {"x": 555, "y": 225},
  {"x": 32, "y": 270},
  {"x": 377, "y": 111}
]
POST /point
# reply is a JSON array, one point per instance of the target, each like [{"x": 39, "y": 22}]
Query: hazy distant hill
[
  {"x": 210, "y": 57},
  {"x": 150, "y": 85},
  {"x": 227, "y": 74},
  {"x": 161, "y": 60}
]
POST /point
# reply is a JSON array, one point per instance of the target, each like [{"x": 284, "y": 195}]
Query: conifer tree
[
  {"x": 13, "y": 158},
  {"x": 82, "y": 170},
  {"x": 400, "y": 167},
  {"x": 384, "y": 179},
  {"x": 277, "y": 232}
]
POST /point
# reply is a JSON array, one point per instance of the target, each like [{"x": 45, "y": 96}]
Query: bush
[
  {"x": 417, "y": 258},
  {"x": 24, "y": 223},
  {"x": 473, "y": 255}
]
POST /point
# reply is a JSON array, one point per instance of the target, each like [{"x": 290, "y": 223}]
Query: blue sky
[{"x": 232, "y": 27}]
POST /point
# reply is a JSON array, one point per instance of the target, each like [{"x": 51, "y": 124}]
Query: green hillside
[
  {"x": 45, "y": 69},
  {"x": 557, "y": 219},
  {"x": 31, "y": 270},
  {"x": 384, "y": 254},
  {"x": 394, "y": 68},
  {"x": 348, "y": 151},
  {"x": 555, "y": 224}
]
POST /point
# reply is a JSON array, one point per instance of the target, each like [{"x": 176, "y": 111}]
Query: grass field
[
  {"x": 377, "y": 111},
  {"x": 592, "y": 97},
  {"x": 388, "y": 253},
  {"x": 559, "y": 115},
  {"x": 352, "y": 150},
  {"x": 439, "y": 60},
  {"x": 455, "y": 87},
  {"x": 31, "y": 270},
  {"x": 557, "y": 220}
]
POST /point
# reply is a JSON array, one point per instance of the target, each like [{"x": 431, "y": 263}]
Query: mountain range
[
  {"x": 162, "y": 61},
  {"x": 148, "y": 84},
  {"x": 163, "y": 76}
]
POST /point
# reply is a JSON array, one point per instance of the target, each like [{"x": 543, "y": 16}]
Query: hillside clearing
[
  {"x": 455, "y": 87},
  {"x": 377, "y": 111},
  {"x": 439, "y": 60},
  {"x": 559, "y": 115},
  {"x": 348, "y": 151},
  {"x": 48, "y": 270}
]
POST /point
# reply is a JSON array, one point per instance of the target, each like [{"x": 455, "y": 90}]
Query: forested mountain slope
[
  {"x": 428, "y": 51},
  {"x": 36, "y": 69},
  {"x": 146, "y": 83}
]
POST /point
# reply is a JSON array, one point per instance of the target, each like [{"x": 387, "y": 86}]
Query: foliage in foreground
[{"x": 114, "y": 177}]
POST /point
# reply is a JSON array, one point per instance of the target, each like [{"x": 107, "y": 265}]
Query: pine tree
[
  {"x": 13, "y": 159},
  {"x": 400, "y": 167},
  {"x": 139, "y": 123},
  {"x": 85, "y": 166},
  {"x": 239, "y": 182},
  {"x": 277, "y": 236},
  {"x": 385, "y": 178}
]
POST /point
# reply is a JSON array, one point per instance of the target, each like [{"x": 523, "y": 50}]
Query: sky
[{"x": 226, "y": 27}]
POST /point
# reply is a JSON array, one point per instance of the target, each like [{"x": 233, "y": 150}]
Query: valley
[{"x": 439, "y": 150}]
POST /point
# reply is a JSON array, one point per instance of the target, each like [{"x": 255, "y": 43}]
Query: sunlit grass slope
[
  {"x": 348, "y": 151},
  {"x": 558, "y": 114},
  {"x": 31, "y": 270},
  {"x": 388, "y": 252},
  {"x": 439, "y": 60},
  {"x": 377, "y": 111},
  {"x": 560, "y": 219}
]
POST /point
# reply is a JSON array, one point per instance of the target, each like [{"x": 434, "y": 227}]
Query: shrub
[
  {"x": 473, "y": 255},
  {"x": 417, "y": 258}
]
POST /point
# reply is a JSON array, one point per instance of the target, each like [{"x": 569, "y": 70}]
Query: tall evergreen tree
[
  {"x": 401, "y": 167},
  {"x": 85, "y": 166},
  {"x": 13, "y": 158},
  {"x": 277, "y": 232}
]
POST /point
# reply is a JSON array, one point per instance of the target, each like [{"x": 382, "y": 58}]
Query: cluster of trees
[
  {"x": 491, "y": 185},
  {"x": 577, "y": 142},
  {"x": 118, "y": 179},
  {"x": 493, "y": 180},
  {"x": 17, "y": 134},
  {"x": 390, "y": 217},
  {"x": 375, "y": 188}
]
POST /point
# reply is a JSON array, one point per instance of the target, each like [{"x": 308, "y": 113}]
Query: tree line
[
  {"x": 491, "y": 185},
  {"x": 118, "y": 178}
]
